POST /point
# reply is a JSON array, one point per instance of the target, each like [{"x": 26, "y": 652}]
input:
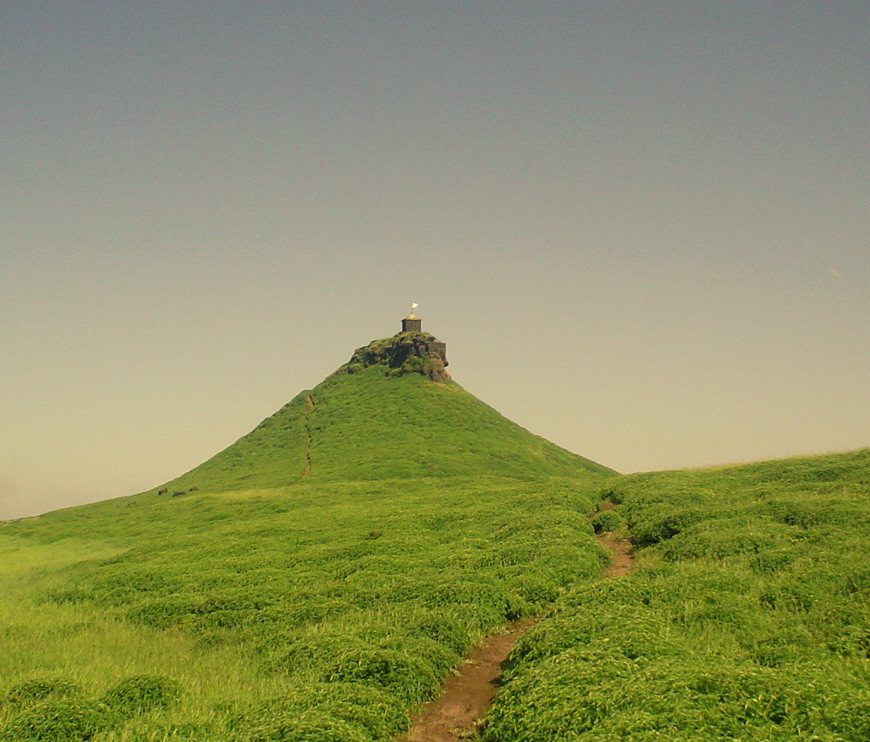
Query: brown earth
[
  {"x": 309, "y": 405},
  {"x": 465, "y": 698},
  {"x": 620, "y": 554},
  {"x": 621, "y": 559}
]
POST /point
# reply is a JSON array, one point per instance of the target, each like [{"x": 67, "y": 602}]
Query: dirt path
[
  {"x": 621, "y": 560},
  {"x": 466, "y": 697},
  {"x": 309, "y": 406}
]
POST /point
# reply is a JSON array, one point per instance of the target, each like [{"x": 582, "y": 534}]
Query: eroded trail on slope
[
  {"x": 467, "y": 696},
  {"x": 619, "y": 546},
  {"x": 457, "y": 714},
  {"x": 309, "y": 405},
  {"x": 621, "y": 559}
]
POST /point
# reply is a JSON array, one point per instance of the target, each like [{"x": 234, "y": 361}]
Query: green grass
[
  {"x": 316, "y": 580},
  {"x": 333, "y": 566},
  {"x": 370, "y": 426},
  {"x": 748, "y": 617},
  {"x": 260, "y": 605}
]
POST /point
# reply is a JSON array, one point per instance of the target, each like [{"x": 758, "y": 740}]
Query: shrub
[
  {"x": 607, "y": 520},
  {"x": 366, "y": 709},
  {"x": 443, "y": 628},
  {"x": 407, "y": 677},
  {"x": 65, "y": 720},
  {"x": 661, "y": 524},
  {"x": 142, "y": 693},
  {"x": 41, "y": 689},
  {"x": 291, "y": 726}
]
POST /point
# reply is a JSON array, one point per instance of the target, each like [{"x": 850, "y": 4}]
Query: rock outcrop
[{"x": 405, "y": 353}]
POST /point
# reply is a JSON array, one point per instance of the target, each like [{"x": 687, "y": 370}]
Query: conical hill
[{"x": 383, "y": 416}]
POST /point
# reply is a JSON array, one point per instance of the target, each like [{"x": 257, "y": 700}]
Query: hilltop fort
[{"x": 406, "y": 352}]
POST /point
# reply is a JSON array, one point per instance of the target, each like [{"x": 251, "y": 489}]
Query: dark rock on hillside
[{"x": 405, "y": 353}]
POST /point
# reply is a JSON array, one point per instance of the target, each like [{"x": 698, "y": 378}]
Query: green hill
[
  {"x": 380, "y": 417},
  {"x": 318, "y": 580},
  {"x": 322, "y": 577}
]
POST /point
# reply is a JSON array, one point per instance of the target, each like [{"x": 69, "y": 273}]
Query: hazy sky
[{"x": 642, "y": 228}]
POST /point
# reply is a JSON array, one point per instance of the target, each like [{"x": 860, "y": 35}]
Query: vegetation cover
[
  {"x": 747, "y": 617},
  {"x": 268, "y": 605},
  {"x": 373, "y": 425},
  {"x": 318, "y": 579}
]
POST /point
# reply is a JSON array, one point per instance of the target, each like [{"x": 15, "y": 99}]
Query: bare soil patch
[
  {"x": 309, "y": 405},
  {"x": 621, "y": 559},
  {"x": 466, "y": 697}
]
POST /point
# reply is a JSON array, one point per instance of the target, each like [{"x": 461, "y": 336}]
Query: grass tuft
[
  {"x": 64, "y": 720},
  {"x": 142, "y": 693}
]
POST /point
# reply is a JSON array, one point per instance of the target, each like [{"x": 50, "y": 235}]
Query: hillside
[
  {"x": 381, "y": 417},
  {"x": 746, "y": 619},
  {"x": 316, "y": 580}
]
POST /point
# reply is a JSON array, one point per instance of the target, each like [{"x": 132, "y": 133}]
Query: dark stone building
[{"x": 412, "y": 323}]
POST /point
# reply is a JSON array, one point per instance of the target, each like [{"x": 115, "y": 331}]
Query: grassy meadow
[
  {"x": 274, "y": 609},
  {"x": 274, "y": 604},
  {"x": 746, "y": 618},
  {"x": 317, "y": 580}
]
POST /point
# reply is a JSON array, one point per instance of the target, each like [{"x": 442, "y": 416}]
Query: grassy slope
[
  {"x": 747, "y": 618},
  {"x": 370, "y": 426},
  {"x": 271, "y": 594},
  {"x": 322, "y": 610}
]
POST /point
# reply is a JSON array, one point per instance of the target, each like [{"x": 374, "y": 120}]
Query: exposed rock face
[{"x": 405, "y": 353}]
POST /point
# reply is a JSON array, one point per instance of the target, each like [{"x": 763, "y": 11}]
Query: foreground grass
[
  {"x": 316, "y": 580},
  {"x": 747, "y": 619},
  {"x": 322, "y": 611}
]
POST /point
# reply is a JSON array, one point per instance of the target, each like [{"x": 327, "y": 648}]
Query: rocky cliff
[{"x": 405, "y": 353}]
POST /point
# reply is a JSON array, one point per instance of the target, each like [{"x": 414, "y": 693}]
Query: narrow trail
[
  {"x": 457, "y": 714},
  {"x": 466, "y": 697},
  {"x": 309, "y": 406},
  {"x": 621, "y": 558}
]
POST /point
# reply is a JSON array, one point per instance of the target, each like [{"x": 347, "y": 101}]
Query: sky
[{"x": 642, "y": 227}]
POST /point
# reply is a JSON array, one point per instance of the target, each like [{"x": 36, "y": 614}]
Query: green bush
[
  {"x": 312, "y": 726},
  {"x": 606, "y": 521},
  {"x": 410, "y": 678},
  {"x": 660, "y": 524},
  {"x": 41, "y": 689},
  {"x": 142, "y": 693},
  {"x": 65, "y": 720},
  {"x": 443, "y": 628},
  {"x": 367, "y": 709}
]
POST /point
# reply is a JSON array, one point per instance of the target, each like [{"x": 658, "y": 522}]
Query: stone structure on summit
[
  {"x": 412, "y": 323},
  {"x": 409, "y": 351}
]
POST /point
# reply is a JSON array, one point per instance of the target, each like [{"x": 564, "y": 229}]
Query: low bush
[
  {"x": 606, "y": 521},
  {"x": 65, "y": 720},
  {"x": 142, "y": 693},
  {"x": 312, "y": 726},
  {"x": 38, "y": 690},
  {"x": 410, "y": 678},
  {"x": 367, "y": 710}
]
